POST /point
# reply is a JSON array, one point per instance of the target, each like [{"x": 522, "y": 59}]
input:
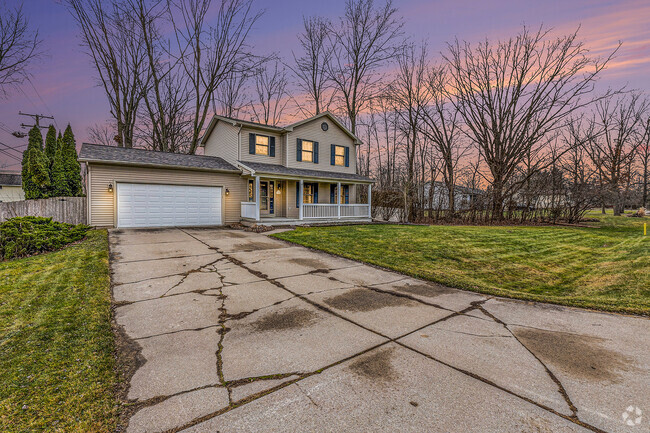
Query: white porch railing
[
  {"x": 331, "y": 211},
  {"x": 249, "y": 210},
  {"x": 319, "y": 210}
]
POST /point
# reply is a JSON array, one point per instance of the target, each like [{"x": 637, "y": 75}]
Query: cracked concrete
[{"x": 240, "y": 332}]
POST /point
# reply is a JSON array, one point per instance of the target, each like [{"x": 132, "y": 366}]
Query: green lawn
[
  {"x": 606, "y": 267},
  {"x": 56, "y": 344}
]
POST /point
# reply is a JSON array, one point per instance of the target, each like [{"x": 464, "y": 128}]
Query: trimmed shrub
[{"x": 26, "y": 236}]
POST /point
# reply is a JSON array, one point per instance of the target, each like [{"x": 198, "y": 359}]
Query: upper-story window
[
  {"x": 261, "y": 144},
  {"x": 307, "y": 151},
  {"x": 340, "y": 155}
]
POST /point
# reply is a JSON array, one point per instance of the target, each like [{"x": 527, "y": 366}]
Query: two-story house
[{"x": 301, "y": 173}]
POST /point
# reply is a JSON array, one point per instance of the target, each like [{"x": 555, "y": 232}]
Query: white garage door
[{"x": 149, "y": 205}]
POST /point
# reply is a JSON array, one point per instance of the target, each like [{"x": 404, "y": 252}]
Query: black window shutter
[
  {"x": 347, "y": 156},
  {"x": 271, "y": 146},
  {"x": 315, "y": 152},
  {"x": 298, "y": 149},
  {"x": 332, "y": 193},
  {"x": 251, "y": 143},
  {"x": 333, "y": 155},
  {"x": 346, "y": 191},
  {"x": 315, "y": 192},
  {"x": 297, "y": 194}
]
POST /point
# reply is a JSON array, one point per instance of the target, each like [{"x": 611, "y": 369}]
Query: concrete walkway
[{"x": 233, "y": 331}]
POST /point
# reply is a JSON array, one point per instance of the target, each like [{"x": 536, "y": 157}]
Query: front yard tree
[
  {"x": 514, "y": 95},
  {"x": 35, "y": 167}
]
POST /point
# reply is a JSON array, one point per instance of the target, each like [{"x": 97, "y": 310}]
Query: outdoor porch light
[
  {"x": 110, "y": 187},
  {"x": 227, "y": 191}
]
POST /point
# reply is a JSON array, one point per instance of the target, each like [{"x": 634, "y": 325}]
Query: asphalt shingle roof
[
  {"x": 11, "y": 179},
  {"x": 101, "y": 153},
  {"x": 300, "y": 172}
]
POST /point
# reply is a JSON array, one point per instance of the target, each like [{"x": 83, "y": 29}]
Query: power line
[
  {"x": 11, "y": 148},
  {"x": 4, "y": 152},
  {"x": 44, "y": 104}
]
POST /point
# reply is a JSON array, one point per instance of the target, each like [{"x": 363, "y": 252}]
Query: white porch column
[
  {"x": 370, "y": 200},
  {"x": 257, "y": 198},
  {"x": 300, "y": 197},
  {"x": 338, "y": 199}
]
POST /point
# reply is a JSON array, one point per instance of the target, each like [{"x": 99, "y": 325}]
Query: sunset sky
[{"x": 64, "y": 85}]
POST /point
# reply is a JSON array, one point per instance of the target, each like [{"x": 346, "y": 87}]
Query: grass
[
  {"x": 606, "y": 267},
  {"x": 56, "y": 344}
]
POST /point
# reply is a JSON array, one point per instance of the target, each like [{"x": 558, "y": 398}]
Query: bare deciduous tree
[
  {"x": 514, "y": 95},
  {"x": 409, "y": 95},
  {"x": 270, "y": 94},
  {"x": 19, "y": 47},
  {"x": 440, "y": 124},
  {"x": 231, "y": 96},
  {"x": 619, "y": 125},
  {"x": 365, "y": 38},
  {"x": 118, "y": 54},
  {"x": 644, "y": 153},
  {"x": 311, "y": 68},
  {"x": 211, "y": 53}
]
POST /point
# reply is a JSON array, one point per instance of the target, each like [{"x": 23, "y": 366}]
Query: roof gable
[{"x": 282, "y": 130}]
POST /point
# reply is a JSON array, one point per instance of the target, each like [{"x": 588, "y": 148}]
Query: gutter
[
  {"x": 252, "y": 172},
  {"x": 166, "y": 166}
]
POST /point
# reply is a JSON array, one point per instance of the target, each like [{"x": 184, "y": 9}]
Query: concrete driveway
[{"x": 231, "y": 331}]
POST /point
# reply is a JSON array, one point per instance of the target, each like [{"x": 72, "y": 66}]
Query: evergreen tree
[
  {"x": 59, "y": 182},
  {"x": 51, "y": 144},
  {"x": 70, "y": 164},
  {"x": 36, "y": 177}
]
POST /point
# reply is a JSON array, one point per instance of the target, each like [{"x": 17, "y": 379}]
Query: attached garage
[
  {"x": 142, "y": 188},
  {"x": 151, "y": 205}
]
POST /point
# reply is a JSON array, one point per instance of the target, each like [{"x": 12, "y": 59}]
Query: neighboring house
[
  {"x": 304, "y": 172},
  {"x": 11, "y": 187},
  {"x": 464, "y": 198}
]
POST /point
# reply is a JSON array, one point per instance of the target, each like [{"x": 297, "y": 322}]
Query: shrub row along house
[{"x": 249, "y": 172}]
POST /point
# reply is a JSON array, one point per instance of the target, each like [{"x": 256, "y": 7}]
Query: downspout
[{"x": 239, "y": 142}]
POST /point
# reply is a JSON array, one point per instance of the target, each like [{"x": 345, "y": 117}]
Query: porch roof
[{"x": 301, "y": 173}]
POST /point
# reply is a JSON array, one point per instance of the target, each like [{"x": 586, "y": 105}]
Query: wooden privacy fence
[{"x": 70, "y": 210}]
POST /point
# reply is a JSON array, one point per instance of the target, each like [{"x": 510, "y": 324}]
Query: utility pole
[
  {"x": 37, "y": 120},
  {"x": 36, "y": 117}
]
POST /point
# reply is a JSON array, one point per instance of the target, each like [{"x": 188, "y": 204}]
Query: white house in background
[
  {"x": 464, "y": 197},
  {"x": 254, "y": 173},
  {"x": 11, "y": 187}
]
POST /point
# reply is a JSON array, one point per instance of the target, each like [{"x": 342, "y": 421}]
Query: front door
[{"x": 267, "y": 203}]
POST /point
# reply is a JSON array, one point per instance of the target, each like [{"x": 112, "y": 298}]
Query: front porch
[{"x": 282, "y": 201}]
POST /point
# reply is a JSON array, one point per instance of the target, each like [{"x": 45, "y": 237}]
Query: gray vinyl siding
[
  {"x": 102, "y": 202},
  {"x": 222, "y": 142},
  {"x": 334, "y": 135}
]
